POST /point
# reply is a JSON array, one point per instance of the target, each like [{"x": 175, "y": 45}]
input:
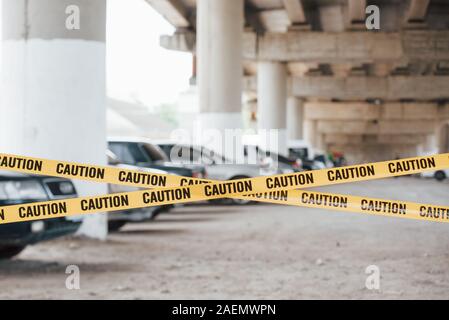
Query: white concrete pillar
[
  {"x": 53, "y": 86},
  {"x": 313, "y": 136},
  {"x": 320, "y": 143},
  {"x": 295, "y": 118},
  {"x": 433, "y": 142},
  {"x": 443, "y": 146},
  {"x": 220, "y": 64},
  {"x": 272, "y": 101},
  {"x": 428, "y": 147}
]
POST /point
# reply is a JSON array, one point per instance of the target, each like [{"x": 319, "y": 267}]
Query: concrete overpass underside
[{"x": 314, "y": 69}]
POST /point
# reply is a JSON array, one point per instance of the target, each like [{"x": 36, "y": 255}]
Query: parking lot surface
[{"x": 251, "y": 252}]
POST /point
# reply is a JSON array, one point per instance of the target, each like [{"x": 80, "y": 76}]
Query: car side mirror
[{"x": 266, "y": 162}]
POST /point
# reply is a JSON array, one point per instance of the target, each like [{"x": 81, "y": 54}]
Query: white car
[
  {"x": 217, "y": 166},
  {"x": 300, "y": 149},
  {"x": 117, "y": 219},
  {"x": 312, "y": 159},
  {"x": 284, "y": 164},
  {"x": 439, "y": 175}
]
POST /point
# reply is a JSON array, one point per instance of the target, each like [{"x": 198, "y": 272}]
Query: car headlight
[
  {"x": 22, "y": 190},
  {"x": 66, "y": 187}
]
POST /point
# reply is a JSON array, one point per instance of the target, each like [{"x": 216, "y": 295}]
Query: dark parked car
[
  {"x": 284, "y": 164},
  {"x": 142, "y": 153},
  {"x": 16, "y": 188},
  {"x": 117, "y": 219},
  {"x": 218, "y": 167}
]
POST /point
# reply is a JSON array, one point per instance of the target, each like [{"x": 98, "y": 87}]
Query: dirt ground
[{"x": 251, "y": 252}]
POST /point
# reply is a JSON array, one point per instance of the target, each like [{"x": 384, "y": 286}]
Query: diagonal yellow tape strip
[
  {"x": 138, "y": 199},
  {"x": 357, "y": 204},
  {"x": 182, "y": 190}
]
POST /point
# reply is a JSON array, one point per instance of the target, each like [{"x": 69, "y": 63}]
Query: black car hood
[{"x": 12, "y": 174}]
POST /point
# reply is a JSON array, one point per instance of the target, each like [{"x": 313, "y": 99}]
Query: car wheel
[
  {"x": 440, "y": 175},
  {"x": 162, "y": 209},
  {"x": 10, "y": 251},
  {"x": 115, "y": 225},
  {"x": 241, "y": 201}
]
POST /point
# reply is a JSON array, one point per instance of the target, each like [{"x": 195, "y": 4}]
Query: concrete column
[
  {"x": 444, "y": 139},
  {"x": 429, "y": 146},
  {"x": 272, "y": 101},
  {"x": 295, "y": 118},
  {"x": 313, "y": 136},
  {"x": 220, "y": 65},
  {"x": 432, "y": 142},
  {"x": 53, "y": 86},
  {"x": 310, "y": 128},
  {"x": 320, "y": 143}
]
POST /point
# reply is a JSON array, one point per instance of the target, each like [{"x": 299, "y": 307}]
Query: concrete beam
[
  {"x": 361, "y": 153},
  {"x": 361, "y": 88},
  {"x": 186, "y": 42},
  {"x": 381, "y": 69},
  {"x": 332, "y": 47},
  {"x": 332, "y": 17},
  {"x": 368, "y": 111},
  {"x": 275, "y": 20},
  {"x": 341, "y": 70},
  {"x": 417, "y": 11},
  {"x": 179, "y": 41},
  {"x": 401, "y": 138},
  {"x": 388, "y": 139},
  {"x": 300, "y": 69},
  {"x": 341, "y": 111},
  {"x": 173, "y": 11},
  {"x": 343, "y": 139},
  {"x": 356, "y": 11},
  {"x": 376, "y": 127},
  {"x": 354, "y": 88},
  {"x": 327, "y": 47},
  {"x": 295, "y": 11}
]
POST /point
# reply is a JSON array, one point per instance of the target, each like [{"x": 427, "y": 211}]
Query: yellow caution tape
[
  {"x": 148, "y": 198},
  {"x": 138, "y": 178},
  {"x": 181, "y": 189},
  {"x": 357, "y": 204}
]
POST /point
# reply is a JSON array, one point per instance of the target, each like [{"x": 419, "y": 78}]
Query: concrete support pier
[
  {"x": 220, "y": 66},
  {"x": 295, "y": 118},
  {"x": 53, "y": 86},
  {"x": 272, "y": 102}
]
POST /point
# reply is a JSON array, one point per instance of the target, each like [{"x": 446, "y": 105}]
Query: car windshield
[
  {"x": 212, "y": 155},
  {"x": 279, "y": 157},
  {"x": 301, "y": 153},
  {"x": 155, "y": 153},
  {"x": 320, "y": 158},
  {"x": 124, "y": 152}
]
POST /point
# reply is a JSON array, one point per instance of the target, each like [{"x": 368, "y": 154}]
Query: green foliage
[{"x": 167, "y": 112}]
